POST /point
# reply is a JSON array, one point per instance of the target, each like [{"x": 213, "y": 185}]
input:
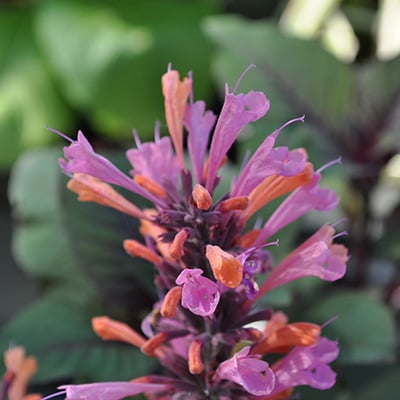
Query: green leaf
[
  {"x": 57, "y": 331},
  {"x": 28, "y": 98},
  {"x": 383, "y": 386},
  {"x": 109, "y": 56},
  {"x": 373, "y": 381},
  {"x": 365, "y": 328},
  {"x": 295, "y": 74},
  {"x": 41, "y": 241}
]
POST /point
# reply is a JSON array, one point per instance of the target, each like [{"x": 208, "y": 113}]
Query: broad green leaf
[
  {"x": 298, "y": 76},
  {"x": 109, "y": 56},
  {"x": 57, "y": 331},
  {"x": 364, "y": 327},
  {"x": 41, "y": 241},
  {"x": 28, "y": 98}
]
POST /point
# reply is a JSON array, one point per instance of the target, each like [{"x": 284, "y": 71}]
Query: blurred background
[{"x": 96, "y": 66}]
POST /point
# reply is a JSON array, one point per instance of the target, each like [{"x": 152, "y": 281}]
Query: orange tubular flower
[
  {"x": 280, "y": 337},
  {"x": 171, "y": 301},
  {"x": 273, "y": 187},
  {"x": 151, "y": 346},
  {"x": 176, "y": 93},
  {"x": 196, "y": 365},
  {"x": 137, "y": 249},
  {"x": 148, "y": 228},
  {"x": 109, "y": 329},
  {"x": 151, "y": 186},
  {"x": 226, "y": 268},
  {"x": 234, "y": 203},
  {"x": 19, "y": 370},
  {"x": 283, "y": 339},
  {"x": 92, "y": 189},
  {"x": 201, "y": 197},
  {"x": 176, "y": 249}
]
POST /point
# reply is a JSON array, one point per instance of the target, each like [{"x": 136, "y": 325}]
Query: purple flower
[
  {"x": 198, "y": 123},
  {"x": 248, "y": 371},
  {"x": 237, "y": 112},
  {"x": 317, "y": 256},
  {"x": 268, "y": 161},
  {"x": 307, "y": 366},
  {"x": 155, "y": 160},
  {"x": 81, "y": 158},
  {"x": 109, "y": 390},
  {"x": 200, "y": 295},
  {"x": 302, "y": 200}
]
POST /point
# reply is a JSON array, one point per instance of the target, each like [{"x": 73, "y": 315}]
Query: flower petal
[
  {"x": 302, "y": 200},
  {"x": 109, "y": 390},
  {"x": 268, "y": 161},
  {"x": 307, "y": 366},
  {"x": 90, "y": 188},
  {"x": 226, "y": 268},
  {"x": 80, "y": 157},
  {"x": 198, "y": 123},
  {"x": 176, "y": 93},
  {"x": 237, "y": 112},
  {"x": 155, "y": 160},
  {"x": 200, "y": 295},
  {"x": 248, "y": 371}
]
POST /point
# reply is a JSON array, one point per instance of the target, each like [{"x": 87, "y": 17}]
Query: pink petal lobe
[
  {"x": 248, "y": 371},
  {"x": 198, "y": 123},
  {"x": 200, "y": 295}
]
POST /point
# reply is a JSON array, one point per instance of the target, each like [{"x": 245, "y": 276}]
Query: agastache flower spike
[{"x": 208, "y": 263}]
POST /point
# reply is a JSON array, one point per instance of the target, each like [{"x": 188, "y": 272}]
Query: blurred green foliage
[
  {"x": 65, "y": 60},
  {"x": 97, "y": 65}
]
